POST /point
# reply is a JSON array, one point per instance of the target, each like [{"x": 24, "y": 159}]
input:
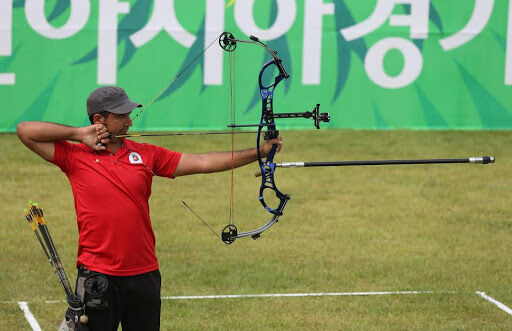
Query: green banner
[{"x": 386, "y": 64}]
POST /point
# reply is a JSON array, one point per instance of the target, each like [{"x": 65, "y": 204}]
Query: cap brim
[{"x": 125, "y": 108}]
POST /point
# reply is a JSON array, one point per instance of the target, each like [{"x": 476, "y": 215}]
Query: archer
[{"x": 111, "y": 180}]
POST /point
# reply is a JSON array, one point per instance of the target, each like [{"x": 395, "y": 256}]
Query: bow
[{"x": 267, "y": 121}]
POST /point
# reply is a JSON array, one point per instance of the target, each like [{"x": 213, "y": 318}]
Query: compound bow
[{"x": 266, "y": 164}]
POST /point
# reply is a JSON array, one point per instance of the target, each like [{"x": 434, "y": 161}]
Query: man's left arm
[{"x": 221, "y": 161}]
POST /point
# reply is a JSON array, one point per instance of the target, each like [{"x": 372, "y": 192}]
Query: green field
[{"x": 440, "y": 228}]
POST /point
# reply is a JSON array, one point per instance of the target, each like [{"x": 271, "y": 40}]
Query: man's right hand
[
  {"x": 40, "y": 136},
  {"x": 92, "y": 135}
]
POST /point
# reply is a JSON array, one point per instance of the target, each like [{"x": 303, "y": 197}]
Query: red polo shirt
[{"x": 111, "y": 193}]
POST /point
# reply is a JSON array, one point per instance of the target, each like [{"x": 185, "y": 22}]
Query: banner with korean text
[{"x": 373, "y": 64}]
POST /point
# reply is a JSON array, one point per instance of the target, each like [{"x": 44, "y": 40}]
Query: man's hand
[
  {"x": 40, "y": 137},
  {"x": 267, "y": 146},
  {"x": 92, "y": 135}
]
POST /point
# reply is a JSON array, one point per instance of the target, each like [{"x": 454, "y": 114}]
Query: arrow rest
[{"x": 271, "y": 134}]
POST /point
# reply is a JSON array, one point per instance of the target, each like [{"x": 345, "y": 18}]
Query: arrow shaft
[{"x": 182, "y": 134}]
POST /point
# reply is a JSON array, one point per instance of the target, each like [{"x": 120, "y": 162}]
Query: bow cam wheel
[
  {"x": 227, "y": 41},
  {"x": 229, "y": 234}
]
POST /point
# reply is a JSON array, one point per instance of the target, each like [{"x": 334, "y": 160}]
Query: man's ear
[{"x": 98, "y": 118}]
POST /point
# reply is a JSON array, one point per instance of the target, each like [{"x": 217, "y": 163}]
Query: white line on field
[
  {"x": 277, "y": 295},
  {"x": 496, "y": 302},
  {"x": 28, "y": 315},
  {"x": 282, "y": 295}
]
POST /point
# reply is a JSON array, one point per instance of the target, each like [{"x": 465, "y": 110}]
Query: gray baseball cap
[{"x": 110, "y": 98}]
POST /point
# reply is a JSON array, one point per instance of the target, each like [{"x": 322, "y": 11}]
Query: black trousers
[{"x": 133, "y": 301}]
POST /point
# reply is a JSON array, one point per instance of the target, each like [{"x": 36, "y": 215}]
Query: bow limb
[{"x": 230, "y": 232}]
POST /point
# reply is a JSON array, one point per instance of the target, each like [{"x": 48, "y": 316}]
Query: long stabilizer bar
[{"x": 475, "y": 160}]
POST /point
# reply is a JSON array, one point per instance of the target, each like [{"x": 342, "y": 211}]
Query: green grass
[{"x": 441, "y": 228}]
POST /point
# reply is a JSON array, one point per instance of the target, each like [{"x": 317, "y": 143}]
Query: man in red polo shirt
[{"x": 118, "y": 276}]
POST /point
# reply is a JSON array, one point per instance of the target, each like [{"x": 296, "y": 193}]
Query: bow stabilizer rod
[{"x": 474, "y": 160}]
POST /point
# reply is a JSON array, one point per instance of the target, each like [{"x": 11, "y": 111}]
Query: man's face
[{"x": 117, "y": 124}]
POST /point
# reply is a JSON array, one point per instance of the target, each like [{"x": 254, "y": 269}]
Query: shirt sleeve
[
  {"x": 63, "y": 155},
  {"x": 166, "y": 161}
]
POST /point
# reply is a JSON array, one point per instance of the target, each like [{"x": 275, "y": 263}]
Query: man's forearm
[
  {"x": 47, "y": 132},
  {"x": 39, "y": 136},
  {"x": 221, "y": 161}
]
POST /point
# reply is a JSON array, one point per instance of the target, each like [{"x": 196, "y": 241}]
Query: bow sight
[{"x": 314, "y": 114}]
